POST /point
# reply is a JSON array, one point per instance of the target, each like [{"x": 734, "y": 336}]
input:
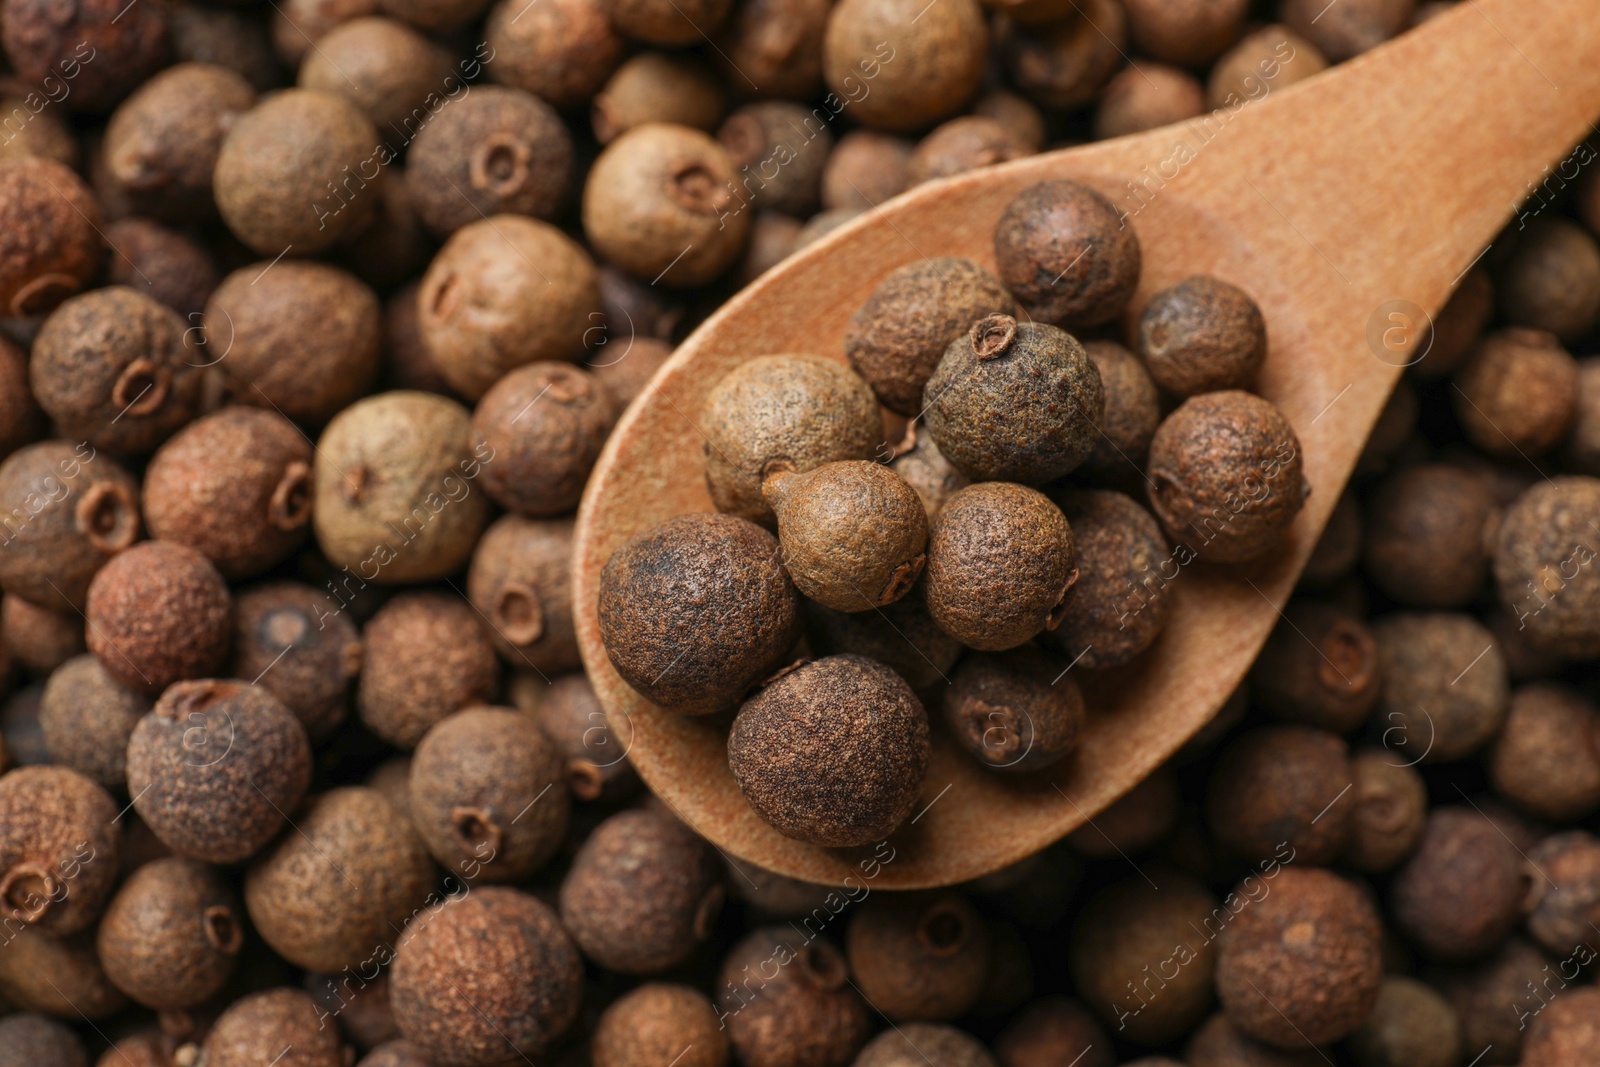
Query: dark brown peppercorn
[
  {"x": 1117, "y": 608},
  {"x": 394, "y": 74},
  {"x": 1564, "y": 890},
  {"x": 594, "y": 757},
  {"x": 293, "y": 172},
  {"x": 402, "y": 693},
  {"x": 39, "y": 639},
  {"x": 900, "y": 334},
  {"x": 1065, "y": 62},
  {"x": 791, "y": 411},
  {"x": 919, "y": 957},
  {"x": 296, "y": 643},
  {"x": 161, "y": 144},
  {"x": 1131, "y": 414},
  {"x": 1141, "y": 959},
  {"x": 921, "y": 69},
  {"x": 1144, "y": 96},
  {"x": 864, "y": 169},
  {"x": 787, "y": 1001},
  {"x": 395, "y": 247},
  {"x": 1389, "y": 810},
  {"x": 545, "y": 424},
  {"x": 777, "y": 44},
  {"x": 1202, "y": 335},
  {"x": 395, "y": 501},
  {"x": 171, "y": 935},
  {"x": 506, "y": 947},
  {"x": 215, "y": 767},
  {"x": 1014, "y": 401},
  {"x": 520, "y": 583},
  {"x": 1444, "y": 685},
  {"x": 1346, "y": 33},
  {"x": 1543, "y": 565},
  {"x": 659, "y": 203},
  {"x": 57, "y": 976},
  {"x": 851, "y": 534},
  {"x": 1066, "y": 255},
  {"x": 1302, "y": 964},
  {"x": 362, "y": 1005},
  {"x": 236, "y": 40},
  {"x": 628, "y": 368},
  {"x": 658, "y": 87},
  {"x": 503, "y": 292},
  {"x": 923, "y": 1044},
  {"x": 20, "y": 417},
  {"x": 1425, "y": 535},
  {"x": 657, "y": 1022},
  {"x": 1457, "y": 327},
  {"x": 1001, "y": 563},
  {"x": 102, "y": 48},
  {"x": 1411, "y": 1026},
  {"x": 1014, "y": 711},
  {"x": 1516, "y": 396},
  {"x": 1280, "y": 785},
  {"x": 923, "y": 467},
  {"x": 263, "y": 1025},
  {"x": 1053, "y": 1030},
  {"x": 1139, "y": 819},
  {"x": 772, "y": 238},
  {"x": 37, "y": 1041},
  {"x": 405, "y": 362},
  {"x": 1461, "y": 893},
  {"x": 1221, "y": 1044},
  {"x": 1483, "y": 993},
  {"x": 832, "y": 752},
  {"x": 1581, "y": 452},
  {"x": 87, "y": 718},
  {"x": 561, "y": 52},
  {"x": 1338, "y": 549},
  {"x": 496, "y": 151},
  {"x": 481, "y": 795},
  {"x": 157, "y": 613},
  {"x": 301, "y": 338},
  {"x": 236, "y": 486},
  {"x": 329, "y": 895},
  {"x": 58, "y": 850},
  {"x": 643, "y": 893},
  {"x": 50, "y": 246},
  {"x": 779, "y": 148},
  {"x": 171, "y": 268},
  {"x": 1227, "y": 473},
  {"x": 19, "y": 718},
  {"x": 1567, "y": 1035},
  {"x": 1547, "y": 759},
  {"x": 963, "y": 144},
  {"x": 902, "y": 636},
  {"x": 1319, "y": 667},
  {"x": 116, "y": 369},
  {"x": 1551, "y": 280}
]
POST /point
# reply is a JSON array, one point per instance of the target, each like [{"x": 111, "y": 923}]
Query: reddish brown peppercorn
[
  {"x": 1551, "y": 279},
  {"x": 670, "y": 87},
  {"x": 1221, "y": 1044},
  {"x": 171, "y": 935},
  {"x": 521, "y": 584},
  {"x": 1444, "y": 685},
  {"x": 215, "y": 767},
  {"x": 787, "y": 1001},
  {"x": 1564, "y": 890},
  {"x": 919, "y": 957},
  {"x": 864, "y": 169},
  {"x": 50, "y": 247},
  {"x": 1270, "y": 59},
  {"x": 658, "y": 1022},
  {"x": 171, "y": 268},
  {"x": 1144, "y": 96},
  {"x": 595, "y": 757},
  {"x": 1319, "y": 667},
  {"x": 1066, "y": 255},
  {"x": 87, "y": 717},
  {"x": 58, "y": 849},
  {"x": 561, "y": 51},
  {"x": 100, "y": 47},
  {"x": 1547, "y": 759},
  {"x": 902, "y": 636},
  {"x": 1495, "y": 998},
  {"x": 628, "y": 372},
  {"x": 1280, "y": 785},
  {"x": 263, "y": 1025},
  {"x": 1461, "y": 893},
  {"x": 1390, "y": 810},
  {"x": 39, "y": 639},
  {"x": 20, "y": 416},
  {"x": 296, "y": 643},
  {"x": 1130, "y": 417},
  {"x": 1014, "y": 711},
  {"x": 1053, "y": 1030},
  {"x": 920, "y": 1044},
  {"x": 1516, "y": 396},
  {"x": 403, "y": 693},
  {"x": 963, "y": 144},
  {"x": 158, "y": 613},
  {"x": 1544, "y": 565},
  {"x": 545, "y": 424},
  {"x": 783, "y": 146},
  {"x": 1425, "y": 535},
  {"x": 1568, "y": 1034},
  {"x": 1116, "y": 609},
  {"x": 1202, "y": 335},
  {"x": 923, "y": 467},
  {"x": 920, "y": 69},
  {"x": 1065, "y": 62},
  {"x": 777, "y": 44}
]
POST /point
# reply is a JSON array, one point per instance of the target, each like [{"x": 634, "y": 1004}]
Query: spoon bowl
[{"x": 1349, "y": 206}]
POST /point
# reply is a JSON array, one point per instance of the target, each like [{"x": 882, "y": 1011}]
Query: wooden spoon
[{"x": 1349, "y": 206}]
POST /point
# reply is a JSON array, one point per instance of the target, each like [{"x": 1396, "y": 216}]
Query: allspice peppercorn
[
  {"x": 1425, "y": 533},
  {"x": 1053, "y": 1030},
  {"x": 296, "y": 643},
  {"x": 695, "y": 611},
  {"x": 1145, "y": 96},
  {"x": 520, "y": 583},
  {"x": 298, "y": 337},
  {"x": 777, "y": 44},
  {"x": 561, "y": 52},
  {"x": 1227, "y": 474},
  {"x": 50, "y": 246},
  {"x": 116, "y": 369},
  {"x": 1219, "y": 1043},
  {"x": 1202, "y": 335},
  {"x": 329, "y": 895},
  {"x": 628, "y": 373},
  {"x": 236, "y": 486},
  {"x": 902, "y": 636},
  {"x": 394, "y": 494},
  {"x": 792, "y": 411},
  {"x": 1136, "y": 821},
  {"x": 545, "y": 424},
  {"x": 215, "y": 767},
  {"x": 20, "y": 416},
  {"x": 962, "y": 144},
  {"x": 1410, "y": 1026},
  {"x": 674, "y": 87},
  {"x": 1547, "y": 758},
  {"x": 1458, "y": 325},
  {"x": 1563, "y": 901},
  {"x": 237, "y": 40},
  {"x": 57, "y": 976},
  {"x": 920, "y": 1044},
  {"x": 1063, "y": 63},
  {"x": 919, "y": 957},
  {"x": 86, "y": 717},
  {"x": 1566, "y": 1035},
  {"x": 1016, "y": 402},
  {"x": 1516, "y": 395},
  {"x": 1551, "y": 280},
  {"x": 659, "y": 203},
  {"x": 402, "y": 694},
  {"x": 508, "y": 948},
  {"x": 497, "y": 151},
  {"x": 39, "y": 1041},
  {"x": 99, "y": 49},
  {"x": 172, "y": 934},
  {"x": 1280, "y": 786},
  {"x": 664, "y": 22},
  {"x": 503, "y": 292},
  {"x": 595, "y": 758},
  {"x": 643, "y": 892},
  {"x": 806, "y": 1013},
  {"x": 39, "y": 639},
  {"x": 59, "y": 849},
  {"x": 864, "y": 169},
  {"x": 1302, "y": 964},
  {"x": 1116, "y": 609},
  {"x": 923, "y": 467},
  {"x": 68, "y": 509},
  {"x": 921, "y": 68},
  {"x": 789, "y": 752},
  {"x": 852, "y": 534},
  {"x": 1390, "y": 811},
  {"x": 260, "y": 1026},
  {"x": 481, "y": 795},
  {"x": 779, "y": 148},
  {"x": 1444, "y": 684},
  {"x": 1270, "y": 59},
  {"x": 900, "y": 334},
  {"x": 1543, "y": 565},
  {"x": 1001, "y": 563},
  {"x": 1462, "y": 892},
  {"x": 161, "y": 143},
  {"x": 1131, "y": 414},
  {"x": 1344, "y": 34},
  {"x": 1066, "y": 255},
  {"x": 299, "y": 170},
  {"x": 157, "y": 613},
  {"x": 166, "y": 265},
  {"x": 386, "y": 68},
  {"x": 1130, "y": 926},
  {"x": 1319, "y": 667},
  {"x": 1014, "y": 711},
  {"x": 658, "y": 1021}
]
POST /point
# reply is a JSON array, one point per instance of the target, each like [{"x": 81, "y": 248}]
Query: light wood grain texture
[{"x": 1379, "y": 181}]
